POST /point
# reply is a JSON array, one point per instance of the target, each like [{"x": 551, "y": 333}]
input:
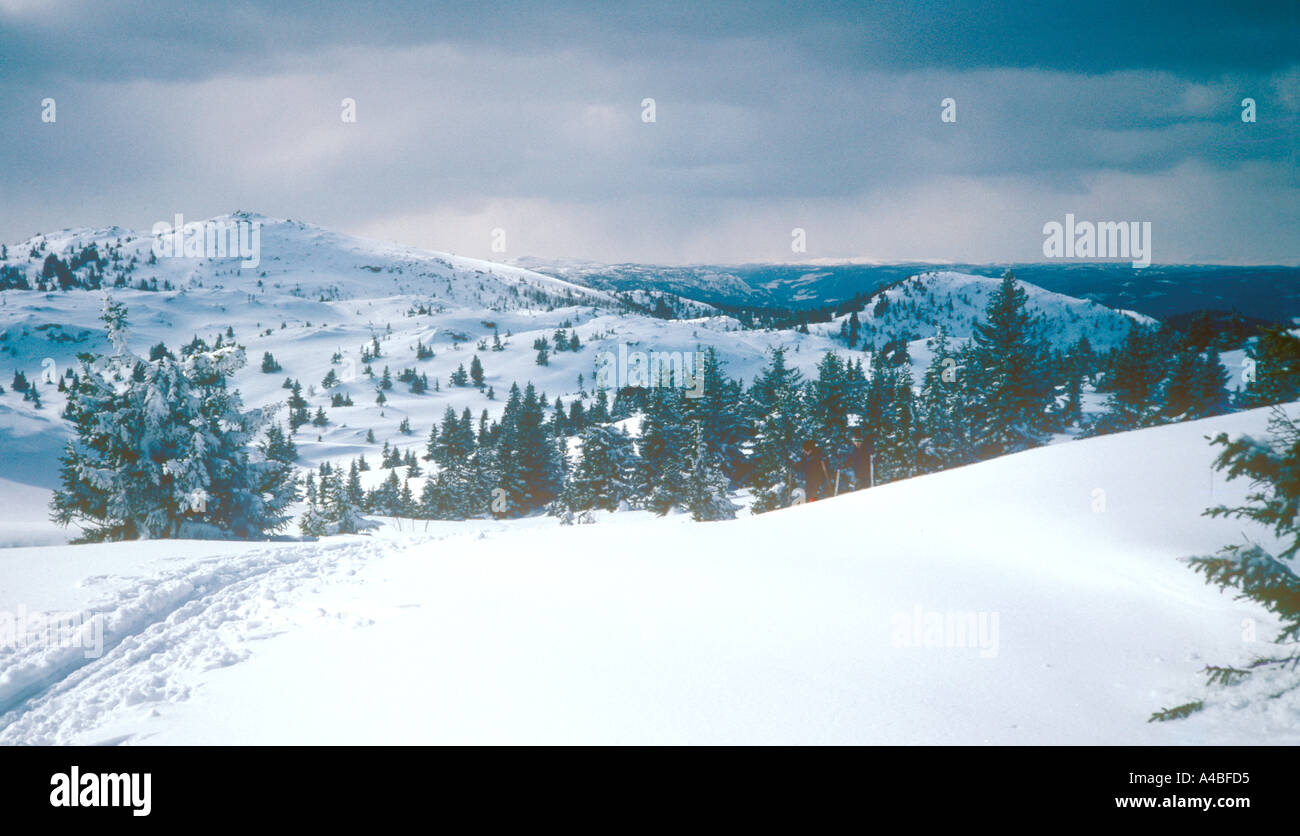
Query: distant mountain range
[{"x": 1271, "y": 293}]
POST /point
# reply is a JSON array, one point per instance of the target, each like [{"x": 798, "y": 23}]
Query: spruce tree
[
  {"x": 298, "y": 414},
  {"x": 607, "y": 471},
  {"x": 161, "y": 449},
  {"x": 1196, "y": 386},
  {"x": 776, "y": 404},
  {"x": 1272, "y": 465},
  {"x": 899, "y": 445},
  {"x": 829, "y": 400},
  {"x": 1137, "y": 370},
  {"x": 1273, "y": 369},
  {"x": 943, "y": 438},
  {"x": 529, "y": 459},
  {"x": 279, "y": 446},
  {"x": 599, "y": 413},
  {"x": 1005, "y": 372},
  {"x": 714, "y": 405},
  {"x": 705, "y": 494},
  {"x": 663, "y": 447}
]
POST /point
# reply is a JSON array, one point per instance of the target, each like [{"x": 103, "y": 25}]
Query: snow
[
  {"x": 916, "y": 307},
  {"x": 335, "y": 293},
  {"x": 317, "y": 293},
  {"x": 781, "y": 628}
]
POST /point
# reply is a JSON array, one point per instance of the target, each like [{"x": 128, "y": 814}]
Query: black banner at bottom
[{"x": 329, "y": 784}]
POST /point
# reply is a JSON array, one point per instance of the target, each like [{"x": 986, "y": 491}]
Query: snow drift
[{"x": 798, "y": 626}]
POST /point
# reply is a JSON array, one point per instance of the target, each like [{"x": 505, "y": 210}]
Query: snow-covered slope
[
  {"x": 45, "y": 331},
  {"x": 807, "y": 625},
  {"x": 916, "y": 307},
  {"x": 316, "y": 294},
  {"x": 317, "y": 298},
  {"x": 307, "y": 261}
]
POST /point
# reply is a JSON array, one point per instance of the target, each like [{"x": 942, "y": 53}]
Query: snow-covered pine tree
[
  {"x": 705, "y": 495},
  {"x": 406, "y": 506},
  {"x": 431, "y": 445},
  {"x": 298, "y": 414},
  {"x": 897, "y": 453},
  {"x": 664, "y": 444},
  {"x": 385, "y": 499},
  {"x": 314, "y": 521},
  {"x": 1273, "y": 369},
  {"x": 830, "y": 399},
  {"x": 716, "y": 410},
  {"x": 450, "y": 443},
  {"x": 342, "y": 501},
  {"x": 1137, "y": 370},
  {"x": 607, "y": 471},
  {"x": 577, "y": 419},
  {"x": 442, "y": 496},
  {"x": 943, "y": 430},
  {"x": 776, "y": 404},
  {"x": 530, "y": 463},
  {"x": 1004, "y": 371},
  {"x": 279, "y": 446},
  {"x": 459, "y": 490},
  {"x": 877, "y": 400},
  {"x": 1196, "y": 386},
  {"x": 161, "y": 449},
  {"x": 599, "y": 413},
  {"x": 558, "y": 425}
]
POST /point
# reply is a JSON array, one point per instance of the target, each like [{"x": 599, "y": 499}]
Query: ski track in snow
[{"x": 196, "y": 618}]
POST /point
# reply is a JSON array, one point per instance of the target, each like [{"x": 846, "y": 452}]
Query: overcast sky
[{"x": 768, "y": 116}]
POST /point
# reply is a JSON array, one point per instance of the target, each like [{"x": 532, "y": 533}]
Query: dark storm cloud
[
  {"x": 155, "y": 38},
  {"x": 770, "y": 116}
]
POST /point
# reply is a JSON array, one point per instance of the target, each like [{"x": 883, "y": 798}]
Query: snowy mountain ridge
[{"x": 302, "y": 259}]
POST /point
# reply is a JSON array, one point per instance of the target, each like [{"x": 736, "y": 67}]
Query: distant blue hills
[{"x": 1162, "y": 291}]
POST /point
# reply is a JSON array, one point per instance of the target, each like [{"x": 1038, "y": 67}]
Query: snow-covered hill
[
  {"x": 318, "y": 298},
  {"x": 314, "y": 301},
  {"x": 303, "y": 260},
  {"x": 916, "y": 307},
  {"x": 810, "y": 625}
]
